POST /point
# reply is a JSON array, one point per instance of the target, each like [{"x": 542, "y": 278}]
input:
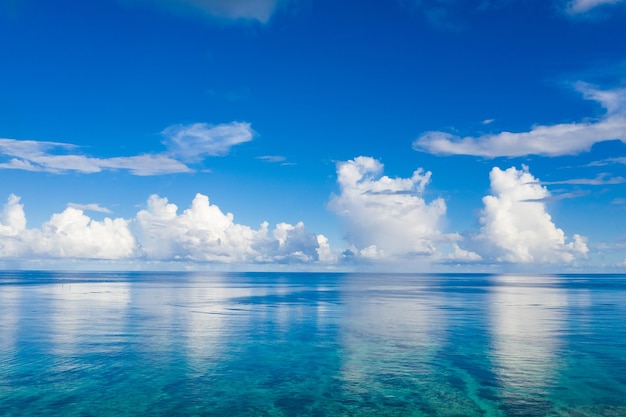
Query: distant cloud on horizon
[
  {"x": 201, "y": 233},
  {"x": 387, "y": 221}
]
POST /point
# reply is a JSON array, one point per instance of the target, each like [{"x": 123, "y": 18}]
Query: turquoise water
[{"x": 129, "y": 344}]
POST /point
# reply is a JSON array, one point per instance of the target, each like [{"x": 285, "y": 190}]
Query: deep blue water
[{"x": 210, "y": 344}]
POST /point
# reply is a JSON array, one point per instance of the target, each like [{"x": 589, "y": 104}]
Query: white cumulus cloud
[
  {"x": 552, "y": 140},
  {"x": 72, "y": 234},
  {"x": 12, "y": 217},
  {"x": 516, "y": 226},
  {"x": 12, "y": 228},
  {"x": 201, "y": 233},
  {"x": 204, "y": 233},
  {"x": 69, "y": 234},
  {"x": 385, "y": 217}
]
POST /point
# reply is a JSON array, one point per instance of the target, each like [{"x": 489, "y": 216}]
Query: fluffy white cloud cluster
[
  {"x": 73, "y": 234},
  {"x": 201, "y": 233},
  {"x": 69, "y": 234},
  {"x": 516, "y": 227},
  {"x": 554, "y": 140},
  {"x": 12, "y": 217},
  {"x": 204, "y": 233},
  {"x": 387, "y": 217},
  {"x": 12, "y": 228}
]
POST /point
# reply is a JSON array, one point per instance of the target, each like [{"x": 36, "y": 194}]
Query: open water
[{"x": 210, "y": 344}]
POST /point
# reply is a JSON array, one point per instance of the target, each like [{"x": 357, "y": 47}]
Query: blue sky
[{"x": 311, "y": 134}]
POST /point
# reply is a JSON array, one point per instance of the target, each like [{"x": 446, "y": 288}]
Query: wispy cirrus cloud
[
  {"x": 272, "y": 158},
  {"x": 255, "y": 10},
  {"x": 452, "y": 15},
  {"x": 146, "y": 165},
  {"x": 551, "y": 140},
  {"x": 584, "y": 6},
  {"x": 275, "y": 159},
  {"x": 455, "y": 14},
  {"x": 557, "y": 195},
  {"x": 89, "y": 207},
  {"x": 608, "y": 161},
  {"x": 600, "y": 179},
  {"x": 198, "y": 140},
  {"x": 54, "y": 158},
  {"x": 185, "y": 144}
]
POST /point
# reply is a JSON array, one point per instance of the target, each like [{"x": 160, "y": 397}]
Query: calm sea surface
[{"x": 170, "y": 344}]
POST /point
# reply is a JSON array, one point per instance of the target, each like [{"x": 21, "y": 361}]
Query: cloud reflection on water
[
  {"x": 86, "y": 317},
  {"x": 528, "y": 319},
  {"x": 234, "y": 344},
  {"x": 10, "y": 306},
  {"x": 391, "y": 336}
]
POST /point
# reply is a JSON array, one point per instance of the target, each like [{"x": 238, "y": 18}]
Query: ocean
[{"x": 311, "y": 344}]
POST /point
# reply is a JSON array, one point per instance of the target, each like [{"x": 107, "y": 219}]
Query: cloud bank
[
  {"x": 201, "y": 233},
  {"x": 185, "y": 144},
  {"x": 387, "y": 221},
  {"x": 516, "y": 227},
  {"x": 553, "y": 140}
]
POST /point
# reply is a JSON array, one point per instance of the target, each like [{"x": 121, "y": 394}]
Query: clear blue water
[{"x": 160, "y": 344}]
